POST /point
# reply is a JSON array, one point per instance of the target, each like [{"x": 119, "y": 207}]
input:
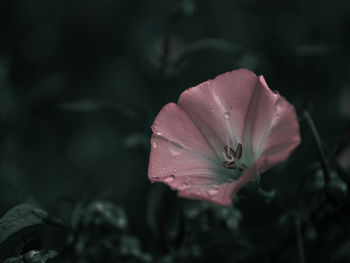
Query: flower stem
[
  {"x": 325, "y": 166},
  {"x": 299, "y": 239}
]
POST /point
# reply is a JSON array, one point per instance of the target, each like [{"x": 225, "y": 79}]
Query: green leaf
[{"x": 23, "y": 216}]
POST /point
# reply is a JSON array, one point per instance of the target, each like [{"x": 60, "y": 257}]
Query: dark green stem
[
  {"x": 299, "y": 239},
  {"x": 325, "y": 166}
]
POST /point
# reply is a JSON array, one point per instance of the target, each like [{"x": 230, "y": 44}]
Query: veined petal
[
  {"x": 260, "y": 115},
  {"x": 180, "y": 155},
  {"x": 217, "y": 194},
  {"x": 282, "y": 137},
  {"x": 222, "y": 194},
  {"x": 219, "y": 107}
]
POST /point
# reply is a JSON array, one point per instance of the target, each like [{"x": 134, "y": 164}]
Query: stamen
[
  {"x": 229, "y": 165},
  {"x": 232, "y": 158},
  {"x": 230, "y": 151},
  {"x": 239, "y": 151},
  {"x": 227, "y": 157}
]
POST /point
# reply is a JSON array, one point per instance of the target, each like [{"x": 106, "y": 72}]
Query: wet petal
[
  {"x": 219, "y": 107},
  {"x": 217, "y": 194},
  {"x": 282, "y": 137},
  {"x": 223, "y": 194},
  {"x": 267, "y": 110},
  {"x": 180, "y": 155}
]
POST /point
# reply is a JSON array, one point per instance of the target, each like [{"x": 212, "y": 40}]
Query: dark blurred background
[{"x": 82, "y": 81}]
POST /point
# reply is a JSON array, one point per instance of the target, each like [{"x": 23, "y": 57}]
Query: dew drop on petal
[
  {"x": 226, "y": 115},
  {"x": 175, "y": 148},
  {"x": 156, "y": 129},
  {"x": 154, "y": 145},
  {"x": 169, "y": 179},
  {"x": 276, "y": 92},
  {"x": 212, "y": 110},
  {"x": 163, "y": 168},
  {"x": 213, "y": 191},
  {"x": 175, "y": 170}
]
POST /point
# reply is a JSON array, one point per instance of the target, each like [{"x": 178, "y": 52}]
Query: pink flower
[{"x": 221, "y": 134}]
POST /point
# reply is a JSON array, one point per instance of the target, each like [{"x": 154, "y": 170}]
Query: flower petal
[
  {"x": 181, "y": 157},
  {"x": 219, "y": 107},
  {"x": 262, "y": 113},
  {"x": 223, "y": 194},
  {"x": 282, "y": 137},
  {"x": 218, "y": 194}
]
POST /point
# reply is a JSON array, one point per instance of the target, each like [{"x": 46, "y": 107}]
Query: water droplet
[
  {"x": 155, "y": 129},
  {"x": 154, "y": 144},
  {"x": 163, "y": 168},
  {"x": 175, "y": 148},
  {"x": 212, "y": 110},
  {"x": 226, "y": 115},
  {"x": 276, "y": 92},
  {"x": 175, "y": 170},
  {"x": 169, "y": 179},
  {"x": 213, "y": 191}
]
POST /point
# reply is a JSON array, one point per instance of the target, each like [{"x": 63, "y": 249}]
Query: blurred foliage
[{"x": 80, "y": 84}]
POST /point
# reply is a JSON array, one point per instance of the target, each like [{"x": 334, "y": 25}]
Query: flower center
[{"x": 232, "y": 158}]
